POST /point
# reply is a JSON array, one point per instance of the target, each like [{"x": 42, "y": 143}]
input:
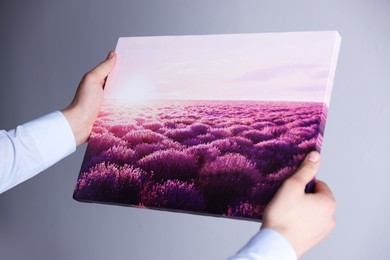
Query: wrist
[{"x": 81, "y": 126}]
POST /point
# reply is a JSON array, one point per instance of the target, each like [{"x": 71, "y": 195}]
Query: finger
[
  {"x": 101, "y": 71},
  {"x": 323, "y": 188},
  {"x": 328, "y": 200},
  {"x": 308, "y": 169}
]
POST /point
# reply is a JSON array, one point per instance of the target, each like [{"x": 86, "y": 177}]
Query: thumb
[
  {"x": 308, "y": 169},
  {"x": 101, "y": 71}
]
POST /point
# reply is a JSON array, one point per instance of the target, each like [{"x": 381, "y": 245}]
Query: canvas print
[{"x": 209, "y": 124}]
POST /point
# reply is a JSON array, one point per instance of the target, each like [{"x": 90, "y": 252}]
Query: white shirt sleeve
[
  {"x": 267, "y": 244},
  {"x": 33, "y": 147}
]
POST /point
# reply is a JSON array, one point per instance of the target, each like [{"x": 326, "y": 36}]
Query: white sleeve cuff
[
  {"x": 53, "y": 137},
  {"x": 267, "y": 244},
  {"x": 33, "y": 147}
]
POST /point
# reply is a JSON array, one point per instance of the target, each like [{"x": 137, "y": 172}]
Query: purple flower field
[{"x": 225, "y": 158}]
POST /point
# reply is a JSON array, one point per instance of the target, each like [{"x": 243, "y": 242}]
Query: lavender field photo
[{"x": 193, "y": 127}]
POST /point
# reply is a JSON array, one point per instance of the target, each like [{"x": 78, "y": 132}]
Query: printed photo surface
[{"x": 208, "y": 124}]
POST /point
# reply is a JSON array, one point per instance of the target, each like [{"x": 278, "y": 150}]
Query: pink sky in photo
[{"x": 296, "y": 66}]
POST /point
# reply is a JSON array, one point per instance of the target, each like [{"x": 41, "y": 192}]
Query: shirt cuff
[
  {"x": 53, "y": 136},
  {"x": 267, "y": 244}
]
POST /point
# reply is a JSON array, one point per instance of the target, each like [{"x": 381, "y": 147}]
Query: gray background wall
[{"x": 45, "y": 48}]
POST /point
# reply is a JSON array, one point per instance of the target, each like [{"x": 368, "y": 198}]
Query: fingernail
[
  {"x": 110, "y": 55},
  {"x": 313, "y": 157}
]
